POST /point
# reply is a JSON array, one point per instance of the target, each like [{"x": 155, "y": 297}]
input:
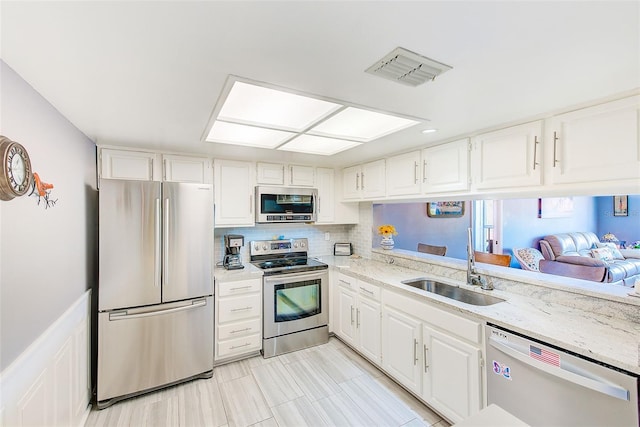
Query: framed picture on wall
[
  {"x": 620, "y": 206},
  {"x": 445, "y": 209}
]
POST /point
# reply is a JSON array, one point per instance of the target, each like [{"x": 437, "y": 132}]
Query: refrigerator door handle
[
  {"x": 594, "y": 383},
  {"x": 165, "y": 243},
  {"x": 158, "y": 251},
  {"x": 123, "y": 315}
]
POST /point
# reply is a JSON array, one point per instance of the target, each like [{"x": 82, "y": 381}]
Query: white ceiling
[{"x": 148, "y": 73}]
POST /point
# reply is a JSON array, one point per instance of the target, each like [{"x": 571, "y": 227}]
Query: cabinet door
[
  {"x": 123, "y": 164},
  {"x": 452, "y": 374},
  {"x": 508, "y": 157},
  {"x": 351, "y": 182},
  {"x": 346, "y": 315},
  {"x": 600, "y": 143},
  {"x": 186, "y": 169},
  {"x": 401, "y": 336},
  {"x": 302, "y": 176},
  {"x": 372, "y": 179},
  {"x": 403, "y": 174},
  {"x": 270, "y": 174},
  {"x": 234, "y": 193},
  {"x": 369, "y": 323},
  {"x": 446, "y": 167},
  {"x": 326, "y": 200}
]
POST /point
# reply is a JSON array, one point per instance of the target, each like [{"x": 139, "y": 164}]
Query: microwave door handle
[{"x": 594, "y": 383}]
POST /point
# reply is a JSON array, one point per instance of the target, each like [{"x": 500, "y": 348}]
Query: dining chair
[
  {"x": 432, "y": 249},
  {"x": 497, "y": 259}
]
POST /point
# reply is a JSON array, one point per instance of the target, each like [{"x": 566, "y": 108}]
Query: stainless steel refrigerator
[{"x": 155, "y": 288}]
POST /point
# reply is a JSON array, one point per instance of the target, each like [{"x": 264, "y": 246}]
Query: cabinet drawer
[
  {"x": 239, "y": 308},
  {"x": 348, "y": 282},
  {"x": 238, "y": 329},
  {"x": 239, "y": 287},
  {"x": 239, "y": 346},
  {"x": 369, "y": 290}
]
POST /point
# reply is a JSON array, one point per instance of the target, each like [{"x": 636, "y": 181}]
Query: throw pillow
[
  {"x": 603, "y": 254},
  {"x": 615, "y": 252}
]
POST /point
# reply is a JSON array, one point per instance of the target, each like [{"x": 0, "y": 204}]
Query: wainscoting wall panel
[{"x": 48, "y": 384}]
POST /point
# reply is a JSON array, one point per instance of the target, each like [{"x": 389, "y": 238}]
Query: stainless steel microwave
[{"x": 285, "y": 204}]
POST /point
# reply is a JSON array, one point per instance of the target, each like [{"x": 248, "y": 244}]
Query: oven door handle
[{"x": 295, "y": 277}]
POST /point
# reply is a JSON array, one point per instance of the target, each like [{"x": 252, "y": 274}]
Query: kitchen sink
[{"x": 454, "y": 292}]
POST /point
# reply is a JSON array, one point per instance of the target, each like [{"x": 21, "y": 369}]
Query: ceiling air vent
[{"x": 406, "y": 67}]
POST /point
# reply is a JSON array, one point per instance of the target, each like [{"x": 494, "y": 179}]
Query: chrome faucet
[{"x": 473, "y": 277}]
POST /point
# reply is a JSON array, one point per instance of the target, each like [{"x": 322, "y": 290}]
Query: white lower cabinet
[
  {"x": 434, "y": 353},
  {"x": 401, "y": 337},
  {"x": 238, "y": 313},
  {"x": 358, "y": 315},
  {"x": 451, "y": 374}
]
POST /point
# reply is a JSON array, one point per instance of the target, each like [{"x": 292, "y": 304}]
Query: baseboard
[{"x": 49, "y": 383}]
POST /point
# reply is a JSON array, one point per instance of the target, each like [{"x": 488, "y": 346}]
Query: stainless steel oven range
[{"x": 296, "y": 296}]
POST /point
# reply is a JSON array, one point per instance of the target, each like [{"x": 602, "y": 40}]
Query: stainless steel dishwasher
[{"x": 544, "y": 386}]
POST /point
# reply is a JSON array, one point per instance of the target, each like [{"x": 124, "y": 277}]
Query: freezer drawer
[
  {"x": 544, "y": 386},
  {"x": 145, "y": 348}
]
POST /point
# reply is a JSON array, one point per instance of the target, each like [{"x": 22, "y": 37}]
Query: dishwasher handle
[{"x": 594, "y": 383}]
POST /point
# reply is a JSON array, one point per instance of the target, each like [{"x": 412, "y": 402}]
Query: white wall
[{"x": 47, "y": 256}]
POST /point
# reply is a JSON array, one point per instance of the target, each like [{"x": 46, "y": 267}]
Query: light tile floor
[{"x": 327, "y": 385}]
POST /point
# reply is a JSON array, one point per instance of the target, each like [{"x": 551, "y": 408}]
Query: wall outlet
[{"x": 327, "y": 236}]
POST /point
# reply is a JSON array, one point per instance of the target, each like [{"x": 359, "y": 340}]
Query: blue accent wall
[
  {"x": 414, "y": 226},
  {"x": 624, "y": 227},
  {"x": 521, "y": 225}
]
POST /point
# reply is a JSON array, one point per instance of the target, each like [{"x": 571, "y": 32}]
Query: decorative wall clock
[{"x": 16, "y": 177}]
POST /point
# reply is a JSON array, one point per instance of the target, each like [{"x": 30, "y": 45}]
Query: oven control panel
[{"x": 273, "y": 247}]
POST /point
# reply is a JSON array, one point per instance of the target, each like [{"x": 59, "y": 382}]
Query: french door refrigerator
[{"x": 155, "y": 290}]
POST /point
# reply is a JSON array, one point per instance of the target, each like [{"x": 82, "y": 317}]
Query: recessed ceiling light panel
[
  {"x": 232, "y": 133},
  {"x": 318, "y": 145},
  {"x": 258, "y": 105},
  {"x": 361, "y": 125}
]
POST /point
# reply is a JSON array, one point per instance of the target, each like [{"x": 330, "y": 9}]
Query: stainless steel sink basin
[{"x": 453, "y": 292}]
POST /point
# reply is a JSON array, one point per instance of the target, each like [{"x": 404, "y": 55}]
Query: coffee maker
[{"x": 232, "y": 244}]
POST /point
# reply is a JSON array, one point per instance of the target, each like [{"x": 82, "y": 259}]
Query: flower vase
[{"x": 387, "y": 242}]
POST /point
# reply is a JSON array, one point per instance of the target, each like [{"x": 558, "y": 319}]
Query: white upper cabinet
[
  {"x": 279, "y": 174},
  {"x": 325, "y": 204},
  {"x": 270, "y": 173},
  {"x": 403, "y": 174},
  {"x": 508, "y": 158},
  {"x": 365, "y": 181},
  {"x": 446, "y": 167},
  {"x": 125, "y": 164},
  {"x": 600, "y": 143},
  {"x": 234, "y": 193},
  {"x": 146, "y": 166},
  {"x": 187, "y": 169},
  {"x": 301, "y": 176}
]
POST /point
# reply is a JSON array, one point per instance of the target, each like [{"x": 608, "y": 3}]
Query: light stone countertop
[
  {"x": 609, "y": 335},
  {"x": 249, "y": 271}
]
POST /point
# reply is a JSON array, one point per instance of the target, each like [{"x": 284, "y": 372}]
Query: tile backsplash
[
  {"x": 360, "y": 235},
  {"x": 318, "y": 246}
]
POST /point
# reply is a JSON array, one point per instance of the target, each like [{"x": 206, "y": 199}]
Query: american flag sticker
[{"x": 544, "y": 355}]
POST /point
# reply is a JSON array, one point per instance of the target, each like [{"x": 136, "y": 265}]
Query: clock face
[{"x": 15, "y": 170}]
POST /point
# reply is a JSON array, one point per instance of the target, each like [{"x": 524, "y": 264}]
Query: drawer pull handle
[
  {"x": 366, "y": 290},
  {"x": 240, "y": 330},
  {"x": 233, "y": 347},
  {"x": 239, "y": 288},
  {"x": 241, "y": 309},
  {"x": 345, "y": 282}
]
